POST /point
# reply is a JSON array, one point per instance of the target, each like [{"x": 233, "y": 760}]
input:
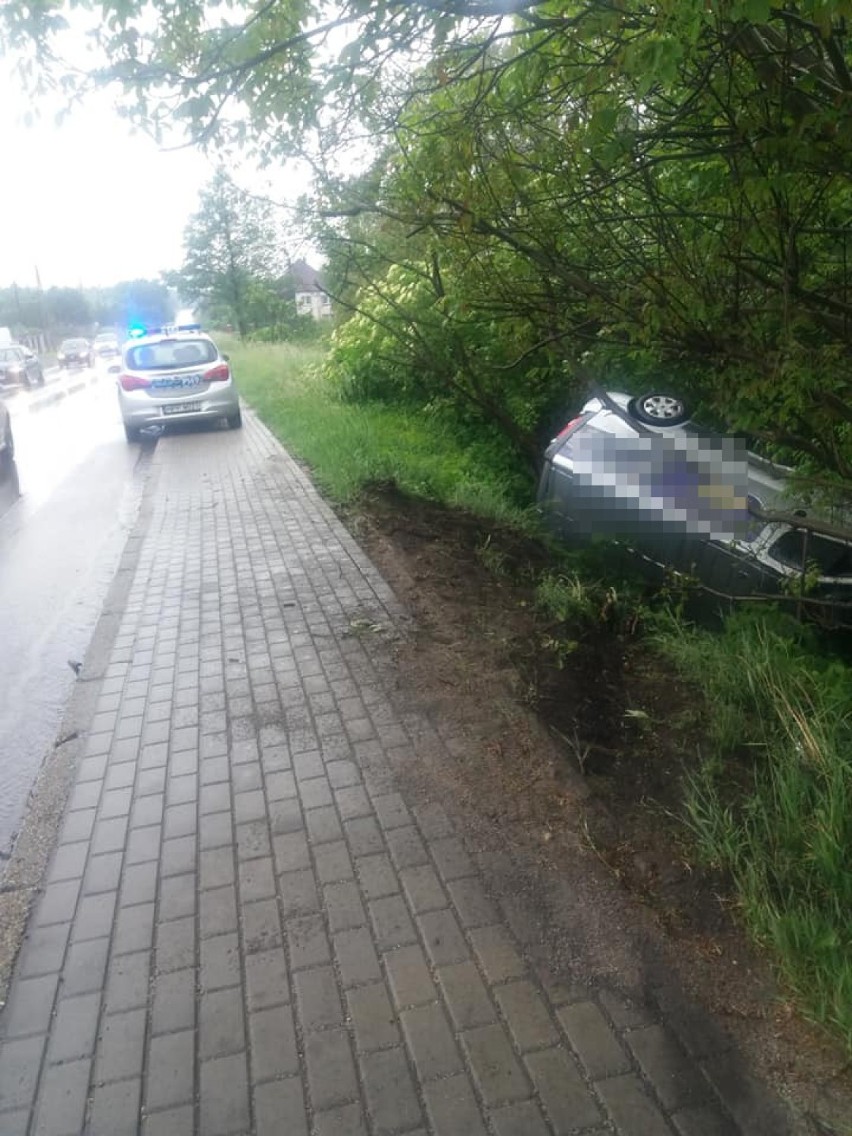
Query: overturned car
[{"x": 639, "y": 470}]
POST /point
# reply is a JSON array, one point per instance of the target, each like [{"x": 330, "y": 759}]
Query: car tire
[
  {"x": 659, "y": 410},
  {"x": 8, "y": 469},
  {"x": 131, "y": 433},
  {"x": 9, "y": 475},
  {"x": 7, "y": 458},
  {"x": 235, "y": 420},
  {"x": 40, "y": 377}
]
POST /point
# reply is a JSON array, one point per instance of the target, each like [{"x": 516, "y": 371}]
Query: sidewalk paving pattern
[{"x": 244, "y": 928}]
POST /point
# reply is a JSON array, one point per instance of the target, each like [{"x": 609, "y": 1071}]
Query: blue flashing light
[{"x": 136, "y": 331}]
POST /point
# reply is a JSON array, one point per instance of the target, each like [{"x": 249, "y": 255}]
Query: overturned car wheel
[{"x": 659, "y": 410}]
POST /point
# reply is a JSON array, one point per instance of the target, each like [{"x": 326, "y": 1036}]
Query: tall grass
[
  {"x": 348, "y": 446},
  {"x": 772, "y": 802}
]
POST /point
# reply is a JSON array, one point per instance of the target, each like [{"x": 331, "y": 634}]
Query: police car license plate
[
  {"x": 173, "y": 382},
  {"x": 180, "y": 408}
]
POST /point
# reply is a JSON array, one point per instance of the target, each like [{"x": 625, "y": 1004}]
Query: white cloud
[{"x": 88, "y": 201}]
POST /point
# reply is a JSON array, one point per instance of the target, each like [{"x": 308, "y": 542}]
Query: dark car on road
[
  {"x": 73, "y": 353},
  {"x": 7, "y": 444},
  {"x": 19, "y": 367},
  {"x": 640, "y": 471}
]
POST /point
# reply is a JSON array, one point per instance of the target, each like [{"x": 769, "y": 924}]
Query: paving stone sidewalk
[{"x": 244, "y": 928}]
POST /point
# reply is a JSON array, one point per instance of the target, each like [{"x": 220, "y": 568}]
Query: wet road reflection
[{"x": 60, "y": 542}]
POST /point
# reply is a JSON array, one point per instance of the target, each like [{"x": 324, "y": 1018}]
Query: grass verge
[
  {"x": 772, "y": 802},
  {"x": 348, "y": 446}
]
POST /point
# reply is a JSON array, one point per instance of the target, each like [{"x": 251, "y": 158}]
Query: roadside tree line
[
  {"x": 55, "y": 312},
  {"x": 650, "y": 194},
  {"x": 236, "y": 264}
]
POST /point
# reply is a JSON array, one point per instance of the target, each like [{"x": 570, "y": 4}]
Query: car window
[
  {"x": 171, "y": 353},
  {"x": 832, "y": 557},
  {"x": 9, "y": 355},
  {"x": 73, "y": 344}
]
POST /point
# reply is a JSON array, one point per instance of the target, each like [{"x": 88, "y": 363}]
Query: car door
[{"x": 735, "y": 569}]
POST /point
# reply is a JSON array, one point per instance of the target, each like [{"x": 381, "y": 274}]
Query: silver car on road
[{"x": 175, "y": 375}]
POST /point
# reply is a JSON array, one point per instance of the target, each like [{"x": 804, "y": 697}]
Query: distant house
[{"x": 311, "y": 300}]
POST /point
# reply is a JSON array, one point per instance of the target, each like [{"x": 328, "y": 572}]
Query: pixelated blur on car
[
  {"x": 175, "y": 374},
  {"x": 640, "y": 471}
]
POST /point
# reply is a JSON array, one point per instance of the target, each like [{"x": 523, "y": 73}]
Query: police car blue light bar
[{"x": 137, "y": 331}]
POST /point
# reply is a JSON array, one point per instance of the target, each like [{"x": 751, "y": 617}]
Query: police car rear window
[{"x": 170, "y": 353}]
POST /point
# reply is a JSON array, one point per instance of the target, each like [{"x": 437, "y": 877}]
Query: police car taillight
[{"x": 133, "y": 382}]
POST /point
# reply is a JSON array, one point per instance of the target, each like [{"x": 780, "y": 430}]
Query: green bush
[
  {"x": 294, "y": 329},
  {"x": 349, "y": 445},
  {"x": 410, "y": 346}
]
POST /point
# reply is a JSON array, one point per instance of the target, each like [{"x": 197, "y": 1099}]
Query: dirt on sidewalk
[{"x": 568, "y": 772}]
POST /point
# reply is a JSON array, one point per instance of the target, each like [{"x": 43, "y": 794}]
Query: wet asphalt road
[{"x": 60, "y": 543}]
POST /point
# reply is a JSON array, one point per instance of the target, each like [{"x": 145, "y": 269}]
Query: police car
[{"x": 174, "y": 374}]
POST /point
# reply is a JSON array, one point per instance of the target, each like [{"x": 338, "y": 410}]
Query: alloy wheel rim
[{"x": 662, "y": 406}]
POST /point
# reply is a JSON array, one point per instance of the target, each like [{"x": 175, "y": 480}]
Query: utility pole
[{"x": 42, "y": 309}]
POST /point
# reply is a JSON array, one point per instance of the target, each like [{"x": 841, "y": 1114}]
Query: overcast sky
[{"x": 88, "y": 202}]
